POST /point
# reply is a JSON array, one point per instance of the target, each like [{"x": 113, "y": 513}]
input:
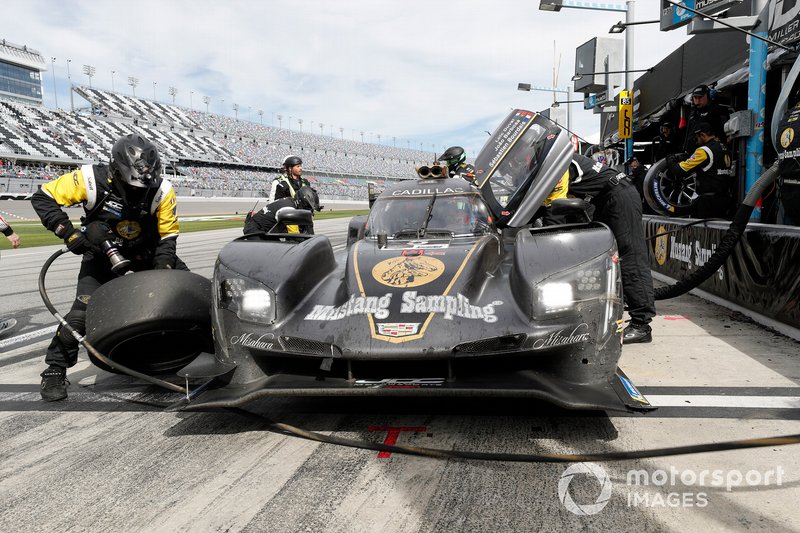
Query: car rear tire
[
  {"x": 666, "y": 195},
  {"x": 154, "y": 322}
]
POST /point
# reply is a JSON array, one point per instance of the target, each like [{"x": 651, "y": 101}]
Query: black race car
[{"x": 444, "y": 290}]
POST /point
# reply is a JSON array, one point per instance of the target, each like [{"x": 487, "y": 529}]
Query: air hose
[{"x": 728, "y": 243}]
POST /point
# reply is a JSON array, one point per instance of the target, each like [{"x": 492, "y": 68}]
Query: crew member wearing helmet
[
  {"x": 287, "y": 184},
  {"x": 266, "y": 220},
  {"x": 128, "y": 205},
  {"x": 455, "y": 158}
]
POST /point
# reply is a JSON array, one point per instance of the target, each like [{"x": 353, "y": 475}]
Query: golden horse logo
[{"x": 403, "y": 272}]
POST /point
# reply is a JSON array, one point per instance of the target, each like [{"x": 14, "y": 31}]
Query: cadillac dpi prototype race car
[{"x": 444, "y": 290}]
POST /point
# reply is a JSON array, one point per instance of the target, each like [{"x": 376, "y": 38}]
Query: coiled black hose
[{"x": 728, "y": 243}]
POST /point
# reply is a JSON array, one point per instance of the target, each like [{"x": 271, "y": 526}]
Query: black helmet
[
  {"x": 453, "y": 156},
  {"x": 135, "y": 161},
  {"x": 307, "y": 198},
  {"x": 291, "y": 160}
]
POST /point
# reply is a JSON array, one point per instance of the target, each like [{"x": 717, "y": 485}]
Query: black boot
[
  {"x": 54, "y": 383},
  {"x": 637, "y": 333}
]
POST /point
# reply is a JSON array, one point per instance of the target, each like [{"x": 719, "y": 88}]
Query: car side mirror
[{"x": 290, "y": 215}]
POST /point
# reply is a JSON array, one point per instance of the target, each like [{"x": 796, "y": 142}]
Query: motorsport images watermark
[{"x": 674, "y": 486}]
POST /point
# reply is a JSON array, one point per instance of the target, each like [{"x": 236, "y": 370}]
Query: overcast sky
[{"x": 431, "y": 72}]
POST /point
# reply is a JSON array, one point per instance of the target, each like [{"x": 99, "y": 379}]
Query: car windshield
[{"x": 454, "y": 215}]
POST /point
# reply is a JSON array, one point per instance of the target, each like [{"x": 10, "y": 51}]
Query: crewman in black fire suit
[
  {"x": 288, "y": 183},
  {"x": 711, "y": 162},
  {"x": 618, "y": 205},
  {"x": 266, "y": 220},
  {"x": 128, "y": 205},
  {"x": 455, "y": 158}
]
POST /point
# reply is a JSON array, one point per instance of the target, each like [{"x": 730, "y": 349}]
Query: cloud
[{"x": 439, "y": 73}]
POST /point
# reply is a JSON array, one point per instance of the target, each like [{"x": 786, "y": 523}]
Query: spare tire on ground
[
  {"x": 666, "y": 195},
  {"x": 154, "y": 322}
]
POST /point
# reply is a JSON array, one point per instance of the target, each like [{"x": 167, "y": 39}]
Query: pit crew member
[
  {"x": 455, "y": 158},
  {"x": 711, "y": 162},
  {"x": 289, "y": 182},
  {"x": 8, "y": 231},
  {"x": 618, "y": 205},
  {"x": 128, "y": 206}
]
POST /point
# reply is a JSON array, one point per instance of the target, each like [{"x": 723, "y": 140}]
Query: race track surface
[{"x": 111, "y": 459}]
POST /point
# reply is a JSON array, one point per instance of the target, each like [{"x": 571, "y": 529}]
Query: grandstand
[{"x": 205, "y": 154}]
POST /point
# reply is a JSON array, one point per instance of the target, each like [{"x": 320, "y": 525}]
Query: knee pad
[{"x": 76, "y": 318}]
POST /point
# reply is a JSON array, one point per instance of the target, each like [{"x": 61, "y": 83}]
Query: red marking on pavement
[
  {"x": 392, "y": 433},
  {"x": 675, "y": 318}
]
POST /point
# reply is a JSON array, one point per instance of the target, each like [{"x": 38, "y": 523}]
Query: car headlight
[
  {"x": 249, "y": 299},
  {"x": 562, "y": 293}
]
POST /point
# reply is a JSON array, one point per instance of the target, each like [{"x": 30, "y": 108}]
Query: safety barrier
[{"x": 762, "y": 274}]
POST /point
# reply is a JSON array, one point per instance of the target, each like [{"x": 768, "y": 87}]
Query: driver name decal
[
  {"x": 407, "y": 271},
  {"x": 558, "y": 338}
]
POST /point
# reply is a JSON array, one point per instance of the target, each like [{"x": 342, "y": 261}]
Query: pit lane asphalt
[{"x": 99, "y": 462}]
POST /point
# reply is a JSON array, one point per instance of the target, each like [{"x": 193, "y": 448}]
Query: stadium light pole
[
  {"x": 627, "y": 8},
  {"x": 341, "y": 133},
  {"x": 529, "y": 87},
  {"x": 206, "y": 100},
  {"x": 69, "y": 78},
  {"x": 300, "y": 123},
  {"x": 321, "y": 127},
  {"x": 261, "y": 116},
  {"x": 89, "y": 71},
  {"x": 280, "y": 120},
  {"x": 394, "y": 142},
  {"x": 379, "y": 138},
  {"x": 133, "y": 82},
  {"x": 154, "y": 90},
  {"x": 362, "y": 137},
  {"x": 290, "y": 122},
  {"x": 172, "y": 92},
  {"x": 222, "y": 104},
  {"x": 236, "y": 111},
  {"x": 191, "y": 100},
  {"x": 112, "y": 81},
  {"x": 55, "y": 92}
]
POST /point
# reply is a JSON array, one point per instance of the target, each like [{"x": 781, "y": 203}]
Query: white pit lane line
[
  {"x": 746, "y": 402},
  {"x": 5, "y": 343}
]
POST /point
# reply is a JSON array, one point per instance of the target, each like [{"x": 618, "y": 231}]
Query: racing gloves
[
  {"x": 76, "y": 241},
  {"x": 166, "y": 254}
]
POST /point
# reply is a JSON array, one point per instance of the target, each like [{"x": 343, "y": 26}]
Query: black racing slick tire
[
  {"x": 666, "y": 195},
  {"x": 153, "y": 322}
]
